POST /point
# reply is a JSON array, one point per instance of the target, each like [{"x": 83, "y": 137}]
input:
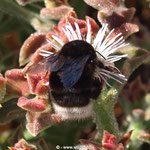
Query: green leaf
[
  {"x": 137, "y": 56},
  {"x": 103, "y": 113},
  {"x": 104, "y": 106}
]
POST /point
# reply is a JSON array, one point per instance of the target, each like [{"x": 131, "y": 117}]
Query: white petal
[
  {"x": 78, "y": 31},
  {"x": 119, "y": 75},
  {"x": 100, "y": 36},
  {"x": 105, "y": 41},
  {"x": 58, "y": 40},
  {"x": 88, "y": 36},
  {"x": 113, "y": 49},
  {"x": 111, "y": 77},
  {"x": 103, "y": 78},
  {"x": 73, "y": 33},
  {"x": 47, "y": 83},
  {"x": 114, "y": 58},
  {"x": 105, "y": 49},
  {"x": 68, "y": 34},
  {"x": 55, "y": 46},
  {"x": 44, "y": 51},
  {"x": 44, "y": 54}
]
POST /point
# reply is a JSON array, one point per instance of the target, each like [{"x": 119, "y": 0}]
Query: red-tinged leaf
[
  {"x": 119, "y": 18},
  {"x": 33, "y": 105},
  {"x": 127, "y": 29},
  {"x": 32, "y": 80},
  {"x": 16, "y": 80},
  {"x": 105, "y": 6},
  {"x": 32, "y": 83},
  {"x": 109, "y": 141},
  {"x": 122, "y": 15},
  {"x": 120, "y": 146},
  {"x": 38, "y": 121},
  {"x": 64, "y": 20},
  {"x": 126, "y": 138},
  {"x": 56, "y": 12},
  {"x": 122, "y": 25},
  {"x": 69, "y": 19},
  {"x": 23, "y": 145},
  {"x": 42, "y": 87},
  {"x": 38, "y": 83},
  {"x": 30, "y": 46}
]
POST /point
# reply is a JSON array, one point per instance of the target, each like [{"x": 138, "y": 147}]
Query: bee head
[{"x": 78, "y": 48}]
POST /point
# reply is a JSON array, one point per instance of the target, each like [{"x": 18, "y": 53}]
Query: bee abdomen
[
  {"x": 75, "y": 98},
  {"x": 69, "y": 99}
]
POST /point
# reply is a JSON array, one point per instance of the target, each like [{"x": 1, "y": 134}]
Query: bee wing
[
  {"x": 46, "y": 64},
  {"x": 72, "y": 70}
]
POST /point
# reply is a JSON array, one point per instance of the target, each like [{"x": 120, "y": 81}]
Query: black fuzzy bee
[
  {"x": 72, "y": 81},
  {"x": 76, "y": 75}
]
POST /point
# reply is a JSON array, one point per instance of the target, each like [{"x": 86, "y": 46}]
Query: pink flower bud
[
  {"x": 34, "y": 105},
  {"x": 109, "y": 140}
]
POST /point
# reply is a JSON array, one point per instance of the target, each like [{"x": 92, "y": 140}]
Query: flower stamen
[
  {"x": 45, "y": 53},
  {"x": 78, "y": 31},
  {"x": 88, "y": 36},
  {"x": 103, "y": 44},
  {"x": 58, "y": 40}
]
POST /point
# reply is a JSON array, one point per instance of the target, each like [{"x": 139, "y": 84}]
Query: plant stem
[{"x": 103, "y": 114}]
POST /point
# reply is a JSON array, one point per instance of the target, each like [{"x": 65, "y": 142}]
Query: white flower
[{"x": 103, "y": 44}]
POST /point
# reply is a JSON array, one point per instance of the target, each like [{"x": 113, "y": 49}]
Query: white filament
[
  {"x": 45, "y": 53},
  {"x": 103, "y": 43}
]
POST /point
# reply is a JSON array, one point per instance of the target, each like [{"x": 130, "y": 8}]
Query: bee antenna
[{"x": 101, "y": 55}]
